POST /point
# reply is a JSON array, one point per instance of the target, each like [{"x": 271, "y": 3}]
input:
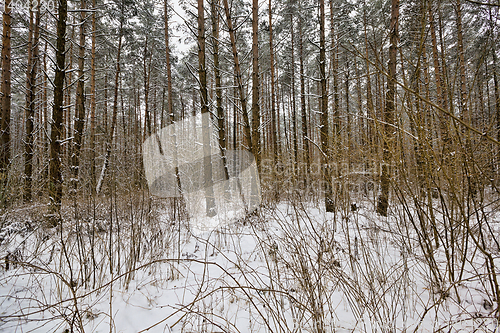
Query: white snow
[{"x": 287, "y": 270}]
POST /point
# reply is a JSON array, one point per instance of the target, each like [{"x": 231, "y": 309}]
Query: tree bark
[
  {"x": 33, "y": 39},
  {"x": 205, "y": 114},
  {"x": 110, "y": 136},
  {"x": 93, "y": 100},
  {"x": 80, "y": 102},
  {"x": 218, "y": 86},
  {"x": 324, "y": 132},
  {"x": 6, "y": 96},
  {"x": 304, "y": 134},
  {"x": 147, "y": 75},
  {"x": 55, "y": 175},
  {"x": 239, "y": 80},
  {"x": 389, "y": 111},
  {"x": 372, "y": 124},
  {"x": 440, "y": 89},
  {"x": 255, "y": 84},
  {"x": 170, "y": 107},
  {"x": 294, "y": 110}
]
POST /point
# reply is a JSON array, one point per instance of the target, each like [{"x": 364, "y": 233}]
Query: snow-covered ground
[{"x": 291, "y": 268}]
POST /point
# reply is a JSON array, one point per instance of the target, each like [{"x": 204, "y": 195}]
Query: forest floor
[{"x": 290, "y": 268}]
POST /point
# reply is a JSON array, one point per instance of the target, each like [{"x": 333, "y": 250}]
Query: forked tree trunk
[{"x": 390, "y": 107}]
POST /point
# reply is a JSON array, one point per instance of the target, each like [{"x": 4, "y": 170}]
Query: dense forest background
[
  {"x": 392, "y": 107},
  {"x": 410, "y": 95}
]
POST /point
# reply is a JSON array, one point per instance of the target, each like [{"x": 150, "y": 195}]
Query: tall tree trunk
[
  {"x": 218, "y": 86},
  {"x": 205, "y": 114},
  {"x": 55, "y": 175},
  {"x": 294, "y": 110},
  {"x": 440, "y": 89},
  {"x": 324, "y": 132},
  {"x": 369, "y": 97},
  {"x": 389, "y": 111},
  {"x": 495, "y": 84},
  {"x": 465, "y": 113},
  {"x": 45, "y": 111},
  {"x": 255, "y": 84},
  {"x": 147, "y": 72},
  {"x": 461, "y": 64},
  {"x": 110, "y": 136},
  {"x": 93, "y": 100},
  {"x": 5, "y": 98},
  {"x": 337, "y": 142},
  {"x": 304, "y": 134},
  {"x": 105, "y": 106},
  {"x": 274, "y": 129},
  {"x": 68, "y": 94},
  {"x": 170, "y": 107},
  {"x": 239, "y": 80},
  {"x": 33, "y": 39},
  {"x": 80, "y": 102}
]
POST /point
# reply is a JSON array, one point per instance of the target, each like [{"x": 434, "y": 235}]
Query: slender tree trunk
[
  {"x": 170, "y": 108},
  {"x": 294, "y": 110},
  {"x": 5, "y": 98},
  {"x": 255, "y": 84},
  {"x": 495, "y": 85},
  {"x": 33, "y": 39},
  {"x": 324, "y": 132},
  {"x": 45, "y": 111},
  {"x": 93, "y": 100},
  {"x": 389, "y": 111},
  {"x": 111, "y": 132},
  {"x": 80, "y": 102},
  {"x": 218, "y": 86},
  {"x": 147, "y": 72},
  {"x": 305, "y": 143},
  {"x": 274, "y": 128},
  {"x": 337, "y": 141},
  {"x": 461, "y": 64},
  {"x": 68, "y": 105},
  {"x": 369, "y": 97},
  {"x": 205, "y": 114},
  {"x": 239, "y": 80},
  {"x": 440, "y": 90},
  {"x": 465, "y": 113},
  {"x": 55, "y": 175},
  {"x": 105, "y": 108}
]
